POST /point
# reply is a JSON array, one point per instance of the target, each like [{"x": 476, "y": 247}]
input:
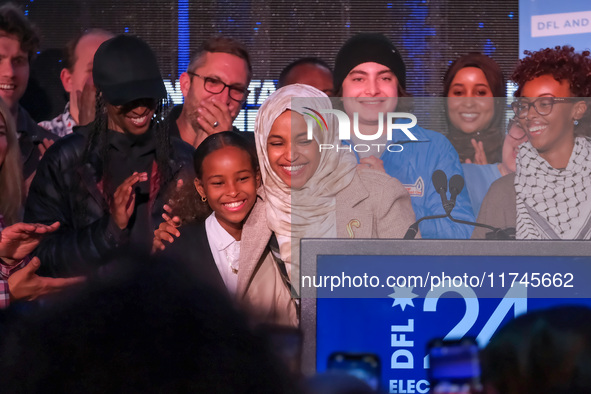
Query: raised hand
[
  {"x": 479, "y": 153},
  {"x": 166, "y": 231},
  {"x": 86, "y": 103},
  {"x": 44, "y": 145},
  {"x": 214, "y": 116},
  {"x": 123, "y": 202},
  {"x": 20, "y": 239},
  {"x": 25, "y": 284}
]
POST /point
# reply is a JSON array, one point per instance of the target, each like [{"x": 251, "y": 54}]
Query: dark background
[{"x": 429, "y": 33}]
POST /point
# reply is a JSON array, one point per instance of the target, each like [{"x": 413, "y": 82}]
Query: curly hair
[
  {"x": 563, "y": 63},
  {"x": 13, "y": 22},
  {"x": 492, "y": 137},
  {"x": 560, "y": 62}
]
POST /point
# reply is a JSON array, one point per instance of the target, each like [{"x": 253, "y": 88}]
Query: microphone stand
[
  {"x": 456, "y": 184},
  {"x": 412, "y": 231}
]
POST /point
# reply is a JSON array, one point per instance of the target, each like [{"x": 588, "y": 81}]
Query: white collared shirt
[{"x": 225, "y": 250}]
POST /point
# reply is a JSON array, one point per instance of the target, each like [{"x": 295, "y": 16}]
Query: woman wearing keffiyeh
[{"x": 549, "y": 197}]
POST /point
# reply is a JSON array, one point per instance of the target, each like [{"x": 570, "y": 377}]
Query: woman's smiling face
[
  {"x": 292, "y": 156},
  {"x": 553, "y": 132},
  {"x": 470, "y": 101}
]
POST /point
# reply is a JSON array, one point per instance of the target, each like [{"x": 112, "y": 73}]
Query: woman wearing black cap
[
  {"x": 370, "y": 75},
  {"x": 106, "y": 182}
]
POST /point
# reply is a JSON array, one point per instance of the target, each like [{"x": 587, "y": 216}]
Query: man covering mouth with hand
[{"x": 215, "y": 86}]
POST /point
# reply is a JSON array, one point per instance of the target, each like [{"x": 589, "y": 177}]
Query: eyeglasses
[
  {"x": 543, "y": 106},
  {"x": 216, "y": 86}
]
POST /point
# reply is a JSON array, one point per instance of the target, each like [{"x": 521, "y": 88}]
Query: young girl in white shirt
[{"x": 231, "y": 249}]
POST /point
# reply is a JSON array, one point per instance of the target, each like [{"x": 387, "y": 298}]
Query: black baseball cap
[{"x": 125, "y": 69}]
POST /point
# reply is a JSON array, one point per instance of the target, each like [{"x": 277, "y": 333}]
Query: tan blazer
[
  {"x": 261, "y": 286},
  {"x": 374, "y": 205}
]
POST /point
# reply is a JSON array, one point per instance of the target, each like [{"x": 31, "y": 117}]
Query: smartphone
[
  {"x": 454, "y": 366},
  {"x": 365, "y": 366}
]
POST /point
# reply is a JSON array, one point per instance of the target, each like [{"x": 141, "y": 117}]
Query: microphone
[
  {"x": 456, "y": 185},
  {"x": 439, "y": 180}
]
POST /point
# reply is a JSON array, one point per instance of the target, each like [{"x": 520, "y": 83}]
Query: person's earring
[
  {"x": 576, "y": 122},
  {"x": 203, "y": 198}
]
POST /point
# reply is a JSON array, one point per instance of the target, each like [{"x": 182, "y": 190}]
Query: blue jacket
[{"x": 414, "y": 166}]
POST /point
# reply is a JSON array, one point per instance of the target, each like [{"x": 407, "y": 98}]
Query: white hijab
[{"x": 310, "y": 211}]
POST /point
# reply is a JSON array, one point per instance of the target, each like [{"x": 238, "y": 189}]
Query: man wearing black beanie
[
  {"x": 370, "y": 75},
  {"x": 106, "y": 182}
]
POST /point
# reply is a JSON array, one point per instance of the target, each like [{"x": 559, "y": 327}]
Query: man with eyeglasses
[{"x": 214, "y": 87}]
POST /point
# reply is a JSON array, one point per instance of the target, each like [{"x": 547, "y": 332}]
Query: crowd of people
[{"x": 118, "y": 171}]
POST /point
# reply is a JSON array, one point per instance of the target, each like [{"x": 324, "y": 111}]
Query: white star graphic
[{"x": 403, "y": 296}]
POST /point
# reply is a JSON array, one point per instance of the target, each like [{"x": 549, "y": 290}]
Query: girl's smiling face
[{"x": 229, "y": 182}]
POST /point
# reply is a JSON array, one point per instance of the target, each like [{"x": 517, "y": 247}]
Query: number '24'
[{"x": 515, "y": 298}]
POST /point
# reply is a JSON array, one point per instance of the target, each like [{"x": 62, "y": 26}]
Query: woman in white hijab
[{"x": 320, "y": 193}]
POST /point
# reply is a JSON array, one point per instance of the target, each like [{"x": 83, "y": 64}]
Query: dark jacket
[
  {"x": 66, "y": 191},
  {"x": 192, "y": 249},
  {"x": 30, "y": 136},
  {"x": 175, "y": 113}
]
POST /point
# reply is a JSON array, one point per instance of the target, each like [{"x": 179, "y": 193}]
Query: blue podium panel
[
  {"x": 391, "y": 302},
  {"x": 399, "y": 337}
]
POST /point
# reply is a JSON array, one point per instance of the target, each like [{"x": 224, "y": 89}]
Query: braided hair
[{"x": 98, "y": 142}]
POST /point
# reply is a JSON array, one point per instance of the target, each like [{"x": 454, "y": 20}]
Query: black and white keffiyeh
[{"x": 554, "y": 203}]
